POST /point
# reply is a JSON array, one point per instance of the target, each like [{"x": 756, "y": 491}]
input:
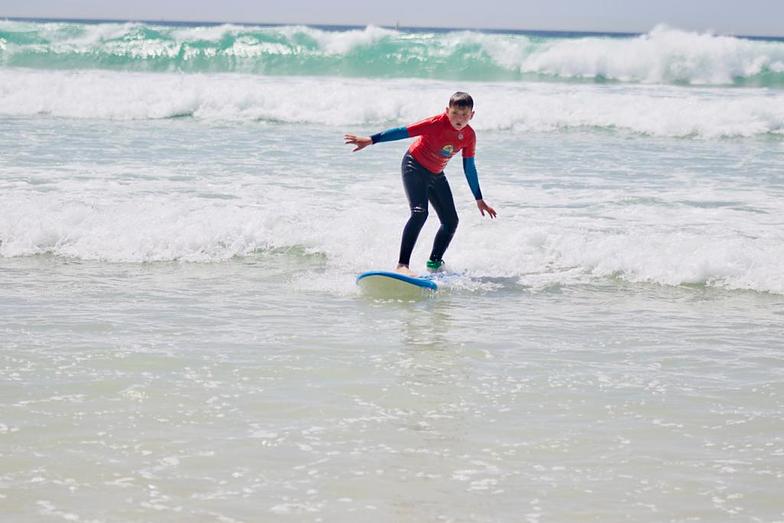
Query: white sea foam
[
  {"x": 641, "y": 255},
  {"x": 538, "y": 256},
  {"x": 657, "y": 111},
  {"x": 345, "y": 41},
  {"x": 665, "y": 55},
  {"x": 721, "y": 246},
  {"x": 211, "y": 33}
]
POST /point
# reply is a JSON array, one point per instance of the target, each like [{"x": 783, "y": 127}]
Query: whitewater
[{"x": 181, "y": 337}]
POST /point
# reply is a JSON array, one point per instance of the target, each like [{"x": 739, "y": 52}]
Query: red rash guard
[{"x": 438, "y": 142}]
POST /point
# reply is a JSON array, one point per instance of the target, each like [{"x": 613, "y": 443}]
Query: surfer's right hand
[{"x": 360, "y": 141}]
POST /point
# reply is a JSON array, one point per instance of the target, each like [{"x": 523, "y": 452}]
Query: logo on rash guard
[{"x": 447, "y": 151}]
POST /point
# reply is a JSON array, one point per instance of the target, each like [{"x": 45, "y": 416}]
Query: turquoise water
[
  {"x": 181, "y": 337},
  {"x": 665, "y": 55}
]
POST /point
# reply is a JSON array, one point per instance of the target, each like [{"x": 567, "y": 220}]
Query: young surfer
[{"x": 439, "y": 138}]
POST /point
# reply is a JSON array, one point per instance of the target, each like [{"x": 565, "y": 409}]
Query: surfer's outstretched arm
[{"x": 396, "y": 133}]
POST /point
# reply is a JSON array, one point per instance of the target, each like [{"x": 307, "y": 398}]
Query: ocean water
[{"x": 181, "y": 337}]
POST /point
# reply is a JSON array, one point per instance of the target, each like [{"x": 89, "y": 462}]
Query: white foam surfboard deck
[{"x": 386, "y": 284}]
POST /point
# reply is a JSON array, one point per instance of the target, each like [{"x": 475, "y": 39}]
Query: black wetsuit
[
  {"x": 424, "y": 179},
  {"x": 422, "y": 187}
]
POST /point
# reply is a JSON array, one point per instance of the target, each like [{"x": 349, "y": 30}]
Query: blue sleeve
[
  {"x": 469, "y": 167},
  {"x": 397, "y": 133}
]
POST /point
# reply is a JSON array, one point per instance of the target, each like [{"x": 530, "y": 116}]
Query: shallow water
[{"x": 219, "y": 391}]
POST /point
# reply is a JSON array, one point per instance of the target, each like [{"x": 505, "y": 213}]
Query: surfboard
[{"x": 386, "y": 284}]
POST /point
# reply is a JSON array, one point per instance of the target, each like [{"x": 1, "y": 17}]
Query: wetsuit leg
[
  {"x": 415, "y": 182},
  {"x": 441, "y": 198}
]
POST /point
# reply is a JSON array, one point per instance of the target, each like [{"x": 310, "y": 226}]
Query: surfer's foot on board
[
  {"x": 435, "y": 265},
  {"x": 403, "y": 269}
]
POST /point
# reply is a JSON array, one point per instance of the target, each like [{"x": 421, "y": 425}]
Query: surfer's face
[{"x": 459, "y": 116}]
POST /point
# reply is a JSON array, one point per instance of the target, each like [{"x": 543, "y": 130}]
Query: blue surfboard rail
[{"x": 419, "y": 282}]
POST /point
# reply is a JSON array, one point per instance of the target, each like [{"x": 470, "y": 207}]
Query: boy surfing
[{"x": 439, "y": 138}]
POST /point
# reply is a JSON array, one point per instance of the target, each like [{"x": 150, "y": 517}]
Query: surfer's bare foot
[{"x": 402, "y": 269}]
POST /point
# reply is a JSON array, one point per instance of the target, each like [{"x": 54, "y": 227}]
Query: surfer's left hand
[{"x": 484, "y": 207}]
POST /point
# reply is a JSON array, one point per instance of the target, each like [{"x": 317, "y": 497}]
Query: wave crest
[{"x": 664, "y": 55}]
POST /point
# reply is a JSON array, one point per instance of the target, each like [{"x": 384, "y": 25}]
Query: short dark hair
[{"x": 462, "y": 100}]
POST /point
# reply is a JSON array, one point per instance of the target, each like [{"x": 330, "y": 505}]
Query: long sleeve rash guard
[{"x": 436, "y": 144}]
